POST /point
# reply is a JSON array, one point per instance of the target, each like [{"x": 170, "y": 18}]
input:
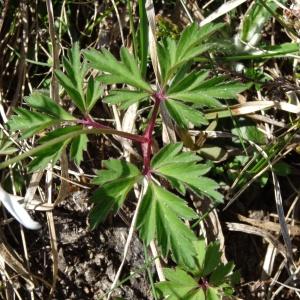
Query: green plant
[
  {"x": 183, "y": 91},
  {"x": 208, "y": 280}
]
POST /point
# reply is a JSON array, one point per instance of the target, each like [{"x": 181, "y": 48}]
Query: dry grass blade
[
  {"x": 169, "y": 135},
  {"x": 291, "y": 278},
  {"x": 265, "y": 119},
  {"x": 52, "y": 234},
  {"x": 269, "y": 260},
  {"x": 64, "y": 186},
  {"x": 294, "y": 230},
  {"x": 10, "y": 258},
  {"x": 33, "y": 185},
  {"x": 152, "y": 38},
  {"x": 11, "y": 293},
  {"x": 55, "y": 52},
  {"x": 222, "y": 10},
  {"x": 252, "y": 107},
  {"x": 186, "y": 11},
  {"x": 119, "y": 21},
  {"x": 128, "y": 125},
  {"x": 22, "y": 66},
  {"x": 168, "y": 127},
  {"x": 25, "y": 251},
  {"x": 157, "y": 262},
  {"x": 260, "y": 232},
  {"x": 283, "y": 226},
  {"x": 195, "y": 9},
  {"x": 129, "y": 238},
  {"x": 54, "y": 92}
]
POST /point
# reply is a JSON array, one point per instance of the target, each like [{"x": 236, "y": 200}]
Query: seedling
[{"x": 183, "y": 91}]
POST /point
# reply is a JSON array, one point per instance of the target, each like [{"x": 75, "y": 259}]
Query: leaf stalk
[{"x": 147, "y": 145}]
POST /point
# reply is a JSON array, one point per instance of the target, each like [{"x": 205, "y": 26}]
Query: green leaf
[
  {"x": 6, "y": 145},
  {"x": 43, "y": 103},
  {"x": 115, "y": 169},
  {"x": 178, "y": 276},
  {"x": 192, "y": 43},
  {"x": 219, "y": 274},
  {"x": 265, "y": 52},
  {"x": 188, "y": 82},
  {"x": 177, "y": 286},
  {"x": 182, "y": 167},
  {"x": 196, "y": 295},
  {"x": 73, "y": 80},
  {"x": 78, "y": 146},
  {"x": 167, "y": 57},
  {"x": 183, "y": 114},
  {"x": 125, "y": 97},
  {"x": 160, "y": 215},
  {"x": 124, "y": 71},
  {"x": 212, "y": 294},
  {"x": 212, "y": 258},
  {"x": 94, "y": 92},
  {"x": 193, "y": 35},
  {"x": 170, "y": 152},
  {"x": 207, "y": 93},
  {"x": 29, "y": 122},
  {"x": 37, "y": 149},
  {"x": 117, "y": 181},
  {"x": 52, "y": 153},
  {"x": 71, "y": 89},
  {"x": 78, "y": 143},
  {"x": 248, "y": 132},
  {"x": 282, "y": 169},
  {"x": 62, "y": 131},
  {"x": 49, "y": 155},
  {"x": 200, "y": 248}
]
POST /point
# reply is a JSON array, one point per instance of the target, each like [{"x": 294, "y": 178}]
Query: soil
[{"x": 88, "y": 259}]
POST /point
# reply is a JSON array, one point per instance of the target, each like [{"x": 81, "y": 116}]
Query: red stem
[
  {"x": 133, "y": 137},
  {"x": 145, "y": 140},
  {"x": 147, "y": 145}
]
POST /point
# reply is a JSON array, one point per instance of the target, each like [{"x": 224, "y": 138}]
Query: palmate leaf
[
  {"x": 46, "y": 156},
  {"x": 116, "y": 182},
  {"x": 78, "y": 146},
  {"x": 178, "y": 285},
  {"x": 94, "y": 92},
  {"x": 182, "y": 169},
  {"x": 195, "y": 89},
  {"x": 52, "y": 153},
  {"x": 73, "y": 81},
  {"x": 30, "y": 122},
  {"x": 160, "y": 216},
  {"x": 125, "y": 98},
  {"x": 192, "y": 43},
  {"x": 183, "y": 114},
  {"x": 187, "y": 81},
  {"x": 124, "y": 71},
  {"x": 209, "y": 280},
  {"x": 43, "y": 103},
  {"x": 78, "y": 143}
]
